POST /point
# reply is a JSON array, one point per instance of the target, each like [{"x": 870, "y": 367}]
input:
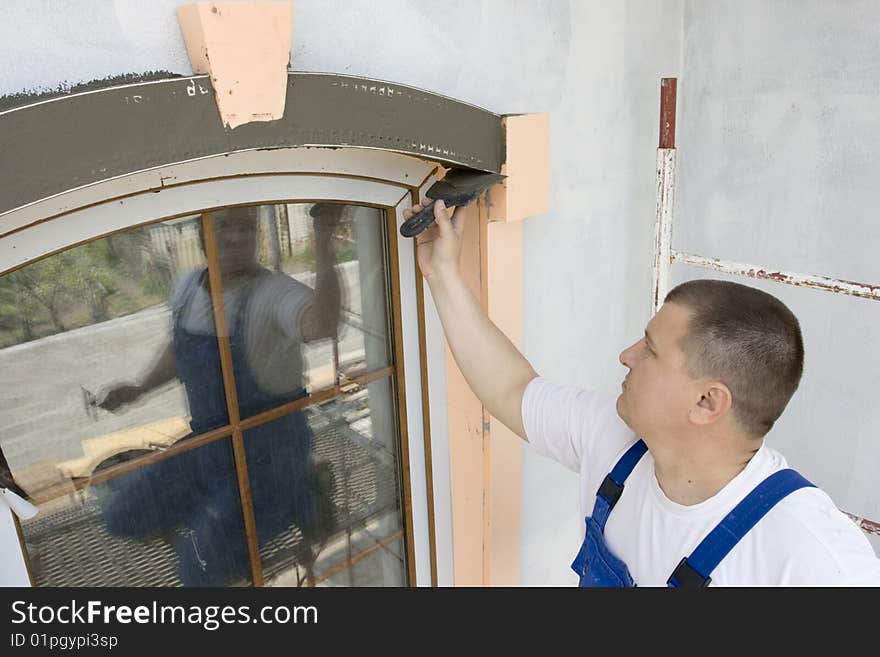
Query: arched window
[{"x": 215, "y": 358}]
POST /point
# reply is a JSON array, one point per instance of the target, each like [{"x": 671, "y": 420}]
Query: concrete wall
[{"x": 778, "y": 166}]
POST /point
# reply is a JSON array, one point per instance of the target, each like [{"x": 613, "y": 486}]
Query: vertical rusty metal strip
[
  {"x": 665, "y": 194},
  {"x": 397, "y": 333},
  {"x": 244, "y": 488},
  {"x": 426, "y": 405},
  {"x": 663, "y": 226},
  {"x": 667, "y": 112}
]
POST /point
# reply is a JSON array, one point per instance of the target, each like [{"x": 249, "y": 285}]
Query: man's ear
[{"x": 714, "y": 403}]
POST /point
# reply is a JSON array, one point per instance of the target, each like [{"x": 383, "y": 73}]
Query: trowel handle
[{"x": 419, "y": 221}]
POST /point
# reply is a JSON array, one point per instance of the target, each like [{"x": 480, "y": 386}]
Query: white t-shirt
[
  {"x": 271, "y": 322},
  {"x": 805, "y": 540}
]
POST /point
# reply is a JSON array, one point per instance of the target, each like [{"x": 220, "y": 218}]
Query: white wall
[{"x": 778, "y": 142}]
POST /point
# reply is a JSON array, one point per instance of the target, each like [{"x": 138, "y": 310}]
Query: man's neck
[{"x": 688, "y": 474}]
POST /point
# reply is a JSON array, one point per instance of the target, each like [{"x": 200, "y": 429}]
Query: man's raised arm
[{"x": 493, "y": 367}]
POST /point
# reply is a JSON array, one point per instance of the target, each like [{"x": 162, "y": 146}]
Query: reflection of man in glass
[{"x": 192, "y": 498}]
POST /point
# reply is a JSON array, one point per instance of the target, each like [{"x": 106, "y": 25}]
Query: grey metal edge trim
[{"x": 51, "y": 146}]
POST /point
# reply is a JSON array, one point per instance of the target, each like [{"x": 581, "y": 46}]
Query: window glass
[
  {"x": 177, "y": 522},
  {"x": 114, "y": 350},
  {"x": 88, "y": 337},
  {"x": 325, "y": 485}
]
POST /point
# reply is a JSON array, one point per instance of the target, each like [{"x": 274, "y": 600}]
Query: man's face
[
  {"x": 236, "y": 241},
  {"x": 658, "y": 393}
]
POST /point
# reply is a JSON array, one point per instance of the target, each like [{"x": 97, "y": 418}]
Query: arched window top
[{"x": 72, "y": 141}]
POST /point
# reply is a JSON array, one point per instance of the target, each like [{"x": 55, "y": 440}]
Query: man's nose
[{"x": 627, "y": 356}]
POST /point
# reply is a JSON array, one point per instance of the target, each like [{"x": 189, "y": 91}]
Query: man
[
  {"x": 678, "y": 487},
  {"x": 191, "y": 498}
]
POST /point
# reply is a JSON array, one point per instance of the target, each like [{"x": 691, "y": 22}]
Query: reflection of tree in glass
[
  {"x": 19, "y": 311},
  {"x": 91, "y": 283}
]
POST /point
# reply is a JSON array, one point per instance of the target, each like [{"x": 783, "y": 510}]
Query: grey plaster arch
[{"x": 50, "y": 146}]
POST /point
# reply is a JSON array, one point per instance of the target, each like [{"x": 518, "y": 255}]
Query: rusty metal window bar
[{"x": 665, "y": 255}]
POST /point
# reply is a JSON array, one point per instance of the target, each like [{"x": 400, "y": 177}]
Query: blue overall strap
[
  {"x": 695, "y": 570},
  {"x": 612, "y": 486}
]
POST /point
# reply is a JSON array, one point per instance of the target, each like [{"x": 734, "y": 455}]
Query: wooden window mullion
[{"x": 222, "y": 330}]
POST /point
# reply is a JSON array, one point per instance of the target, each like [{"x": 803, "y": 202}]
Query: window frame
[{"x": 351, "y": 176}]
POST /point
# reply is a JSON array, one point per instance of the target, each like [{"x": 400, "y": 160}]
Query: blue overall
[
  {"x": 196, "y": 491},
  {"x": 596, "y": 565}
]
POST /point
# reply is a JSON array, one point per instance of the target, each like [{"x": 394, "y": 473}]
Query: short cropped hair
[{"x": 747, "y": 339}]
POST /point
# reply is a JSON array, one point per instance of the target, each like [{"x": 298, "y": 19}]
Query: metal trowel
[{"x": 458, "y": 187}]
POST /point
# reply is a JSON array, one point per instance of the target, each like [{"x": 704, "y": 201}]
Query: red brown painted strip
[{"x": 667, "y": 112}]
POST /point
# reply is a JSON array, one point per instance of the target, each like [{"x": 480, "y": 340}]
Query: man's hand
[
  {"x": 118, "y": 395},
  {"x": 439, "y": 246}
]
